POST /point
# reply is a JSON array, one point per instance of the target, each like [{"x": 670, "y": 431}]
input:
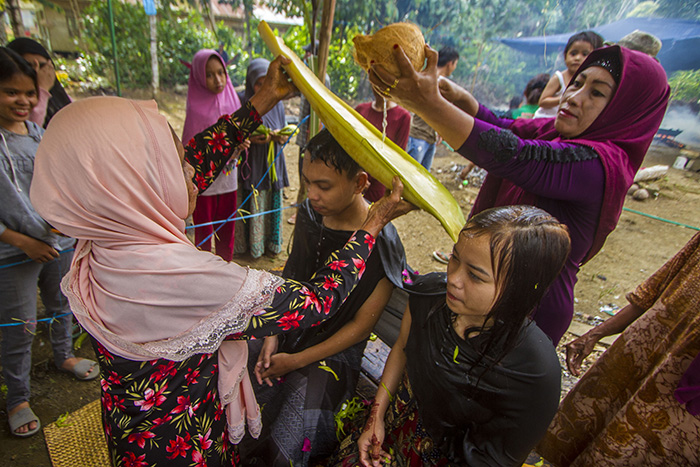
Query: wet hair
[
  {"x": 446, "y": 55},
  {"x": 593, "y": 38},
  {"x": 528, "y": 250},
  {"x": 534, "y": 88},
  {"x": 11, "y": 64},
  {"x": 325, "y": 148}
]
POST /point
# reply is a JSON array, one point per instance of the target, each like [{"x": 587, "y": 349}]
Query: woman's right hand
[
  {"x": 579, "y": 349},
  {"x": 386, "y": 209},
  {"x": 45, "y": 74},
  {"x": 38, "y": 251},
  {"x": 370, "y": 444}
]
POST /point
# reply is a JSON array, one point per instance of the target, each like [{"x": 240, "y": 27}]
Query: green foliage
[
  {"x": 179, "y": 37},
  {"x": 686, "y": 9},
  {"x": 644, "y": 9},
  {"x": 685, "y": 86}
]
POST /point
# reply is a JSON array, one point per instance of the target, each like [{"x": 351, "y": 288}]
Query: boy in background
[{"x": 306, "y": 376}]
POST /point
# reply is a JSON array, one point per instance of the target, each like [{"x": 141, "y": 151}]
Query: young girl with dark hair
[
  {"x": 52, "y": 97},
  {"x": 578, "y": 47},
  {"x": 25, "y": 236},
  {"x": 210, "y": 94},
  {"x": 471, "y": 380}
]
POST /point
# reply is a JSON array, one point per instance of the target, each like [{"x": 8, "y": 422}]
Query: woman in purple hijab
[
  {"x": 210, "y": 95},
  {"x": 262, "y": 176},
  {"x": 577, "y": 166}
]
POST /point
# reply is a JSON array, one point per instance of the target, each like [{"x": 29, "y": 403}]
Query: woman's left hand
[
  {"x": 280, "y": 364},
  {"x": 413, "y": 90},
  {"x": 277, "y": 82},
  {"x": 577, "y": 350},
  {"x": 277, "y": 86},
  {"x": 387, "y": 209},
  {"x": 260, "y": 139}
]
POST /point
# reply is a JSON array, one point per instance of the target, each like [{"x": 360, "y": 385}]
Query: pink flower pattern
[{"x": 154, "y": 411}]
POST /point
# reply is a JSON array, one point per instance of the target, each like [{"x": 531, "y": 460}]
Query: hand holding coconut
[
  {"x": 412, "y": 88},
  {"x": 418, "y": 91}
]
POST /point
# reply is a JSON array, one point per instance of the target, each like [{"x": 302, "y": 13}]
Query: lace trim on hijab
[
  {"x": 206, "y": 336},
  {"x": 237, "y": 431},
  {"x": 503, "y": 144}
]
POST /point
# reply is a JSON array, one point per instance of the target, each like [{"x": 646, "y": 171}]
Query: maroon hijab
[{"x": 620, "y": 135}]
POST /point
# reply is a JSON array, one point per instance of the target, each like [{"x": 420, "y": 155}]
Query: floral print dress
[{"x": 165, "y": 412}]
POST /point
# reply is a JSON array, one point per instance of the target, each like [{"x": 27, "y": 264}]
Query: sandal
[
  {"x": 441, "y": 257},
  {"x": 82, "y": 367},
  {"x": 24, "y": 417}
]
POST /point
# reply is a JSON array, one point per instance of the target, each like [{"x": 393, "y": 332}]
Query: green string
[{"x": 651, "y": 216}]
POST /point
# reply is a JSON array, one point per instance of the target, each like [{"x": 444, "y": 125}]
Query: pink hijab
[
  {"x": 204, "y": 107},
  {"x": 107, "y": 173}
]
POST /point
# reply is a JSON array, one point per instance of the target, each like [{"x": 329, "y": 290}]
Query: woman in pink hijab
[
  {"x": 168, "y": 320},
  {"x": 210, "y": 95}
]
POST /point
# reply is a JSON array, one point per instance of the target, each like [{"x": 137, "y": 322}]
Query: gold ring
[
  {"x": 393, "y": 85},
  {"x": 387, "y": 90}
]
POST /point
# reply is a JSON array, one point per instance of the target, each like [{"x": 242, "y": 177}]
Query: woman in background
[
  {"x": 52, "y": 96},
  {"x": 262, "y": 188}
]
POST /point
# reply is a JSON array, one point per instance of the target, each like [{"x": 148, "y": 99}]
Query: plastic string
[{"x": 254, "y": 191}]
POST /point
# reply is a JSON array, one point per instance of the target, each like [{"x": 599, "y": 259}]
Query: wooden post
[
  {"x": 154, "y": 55},
  {"x": 15, "y": 14},
  {"x": 325, "y": 37}
]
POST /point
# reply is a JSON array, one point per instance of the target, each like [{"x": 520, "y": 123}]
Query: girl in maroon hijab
[{"x": 577, "y": 166}]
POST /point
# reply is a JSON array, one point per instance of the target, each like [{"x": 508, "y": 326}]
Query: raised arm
[
  {"x": 548, "y": 99},
  {"x": 459, "y": 96},
  {"x": 303, "y": 304},
  {"x": 557, "y": 170}
]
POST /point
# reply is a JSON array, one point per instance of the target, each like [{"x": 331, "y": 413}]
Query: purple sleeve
[
  {"x": 550, "y": 169},
  {"x": 484, "y": 114}
]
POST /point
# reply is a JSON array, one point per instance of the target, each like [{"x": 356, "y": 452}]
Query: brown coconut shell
[{"x": 379, "y": 47}]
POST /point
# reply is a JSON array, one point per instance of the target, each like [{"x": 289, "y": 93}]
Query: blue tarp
[{"x": 680, "y": 38}]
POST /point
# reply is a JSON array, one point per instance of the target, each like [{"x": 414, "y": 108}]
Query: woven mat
[{"x": 80, "y": 440}]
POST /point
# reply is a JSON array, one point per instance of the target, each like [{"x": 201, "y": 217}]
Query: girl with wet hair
[{"x": 471, "y": 380}]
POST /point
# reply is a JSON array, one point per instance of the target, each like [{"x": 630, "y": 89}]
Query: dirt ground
[{"x": 634, "y": 250}]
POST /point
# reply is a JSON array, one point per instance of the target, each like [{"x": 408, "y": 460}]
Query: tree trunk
[
  {"x": 13, "y": 10},
  {"x": 325, "y": 39},
  {"x": 154, "y": 55},
  {"x": 3, "y": 33}
]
